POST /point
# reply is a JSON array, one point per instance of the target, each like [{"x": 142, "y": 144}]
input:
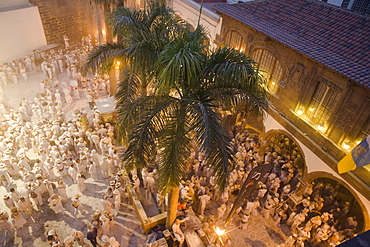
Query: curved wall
[{"x": 315, "y": 164}]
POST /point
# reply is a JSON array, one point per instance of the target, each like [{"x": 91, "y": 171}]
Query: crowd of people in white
[
  {"x": 82, "y": 148},
  {"x": 320, "y": 217},
  {"x": 78, "y": 148}
]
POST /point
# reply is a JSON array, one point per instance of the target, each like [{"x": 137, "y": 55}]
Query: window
[
  {"x": 270, "y": 67},
  {"x": 235, "y": 40},
  {"x": 322, "y": 104}
]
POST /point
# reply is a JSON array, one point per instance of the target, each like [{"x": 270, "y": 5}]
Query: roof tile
[{"x": 334, "y": 37}]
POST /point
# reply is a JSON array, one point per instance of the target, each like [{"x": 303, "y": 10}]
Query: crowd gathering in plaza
[{"x": 80, "y": 147}]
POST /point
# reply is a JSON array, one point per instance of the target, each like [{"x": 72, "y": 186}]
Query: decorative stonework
[
  {"x": 344, "y": 119},
  {"x": 296, "y": 77}
]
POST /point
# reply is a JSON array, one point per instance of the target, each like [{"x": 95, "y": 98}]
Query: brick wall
[{"x": 64, "y": 17}]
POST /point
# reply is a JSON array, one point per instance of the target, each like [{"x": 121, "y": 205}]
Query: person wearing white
[
  {"x": 56, "y": 202},
  {"x": 117, "y": 199},
  {"x": 62, "y": 189},
  {"x": 17, "y": 217},
  {"x": 93, "y": 171},
  {"x": 179, "y": 235},
  {"x": 204, "y": 200},
  {"x": 73, "y": 173},
  {"x": 81, "y": 182}
]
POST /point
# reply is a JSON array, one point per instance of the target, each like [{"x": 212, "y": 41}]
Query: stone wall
[{"x": 64, "y": 17}]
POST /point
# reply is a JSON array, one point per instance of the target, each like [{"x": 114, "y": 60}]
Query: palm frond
[
  {"x": 102, "y": 58},
  {"x": 175, "y": 144},
  {"x": 211, "y": 137},
  {"x": 180, "y": 63},
  {"x": 142, "y": 120},
  {"x": 124, "y": 21},
  {"x": 228, "y": 67},
  {"x": 234, "y": 80},
  {"x": 129, "y": 87}
]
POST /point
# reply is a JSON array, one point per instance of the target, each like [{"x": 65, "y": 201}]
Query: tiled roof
[{"x": 334, "y": 37}]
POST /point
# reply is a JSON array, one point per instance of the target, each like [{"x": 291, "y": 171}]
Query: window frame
[
  {"x": 271, "y": 68},
  {"x": 234, "y": 39}
]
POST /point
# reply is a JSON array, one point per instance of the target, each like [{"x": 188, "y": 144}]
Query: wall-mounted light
[
  {"x": 346, "y": 145},
  {"x": 320, "y": 127},
  {"x": 300, "y": 112}
]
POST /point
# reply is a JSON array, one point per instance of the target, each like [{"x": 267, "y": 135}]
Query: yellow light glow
[
  {"x": 118, "y": 63},
  {"x": 312, "y": 109},
  {"x": 346, "y": 146},
  {"x": 273, "y": 83},
  {"x": 103, "y": 32},
  {"x": 219, "y": 232},
  {"x": 358, "y": 142},
  {"x": 321, "y": 128},
  {"x": 300, "y": 112}
]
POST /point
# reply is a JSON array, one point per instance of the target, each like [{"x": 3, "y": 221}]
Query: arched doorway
[
  {"x": 344, "y": 197},
  {"x": 284, "y": 144}
]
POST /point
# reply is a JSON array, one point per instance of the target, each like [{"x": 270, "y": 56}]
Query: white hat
[
  {"x": 105, "y": 239},
  {"x": 112, "y": 240}
]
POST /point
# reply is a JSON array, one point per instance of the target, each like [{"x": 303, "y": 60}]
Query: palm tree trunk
[
  {"x": 173, "y": 199},
  {"x": 144, "y": 85},
  {"x": 113, "y": 81}
]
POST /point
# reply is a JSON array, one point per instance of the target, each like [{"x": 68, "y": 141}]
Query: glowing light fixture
[
  {"x": 300, "y": 112},
  {"x": 312, "y": 109},
  {"x": 320, "y": 127},
  {"x": 219, "y": 232},
  {"x": 346, "y": 145}
]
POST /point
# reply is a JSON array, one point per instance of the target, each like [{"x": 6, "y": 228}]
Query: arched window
[
  {"x": 270, "y": 67},
  {"x": 235, "y": 40}
]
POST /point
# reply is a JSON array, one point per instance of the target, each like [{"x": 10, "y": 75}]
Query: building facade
[{"x": 317, "y": 77}]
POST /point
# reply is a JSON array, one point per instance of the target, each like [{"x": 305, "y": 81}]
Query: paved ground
[{"x": 127, "y": 230}]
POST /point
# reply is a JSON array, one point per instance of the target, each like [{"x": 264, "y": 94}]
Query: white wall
[
  {"x": 21, "y": 32},
  {"x": 313, "y": 162}
]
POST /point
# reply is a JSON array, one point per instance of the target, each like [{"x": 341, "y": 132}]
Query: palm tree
[
  {"x": 192, "y": 86},
  {"x": 143, "y": 35}
]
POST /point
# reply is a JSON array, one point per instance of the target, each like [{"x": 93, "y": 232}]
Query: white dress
[
  {"x": 62, "y": 189},
  {"x": 81, "y": 183},
  {"x": 58, "y": 206},
  {"x": 19, "y": 221}
]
